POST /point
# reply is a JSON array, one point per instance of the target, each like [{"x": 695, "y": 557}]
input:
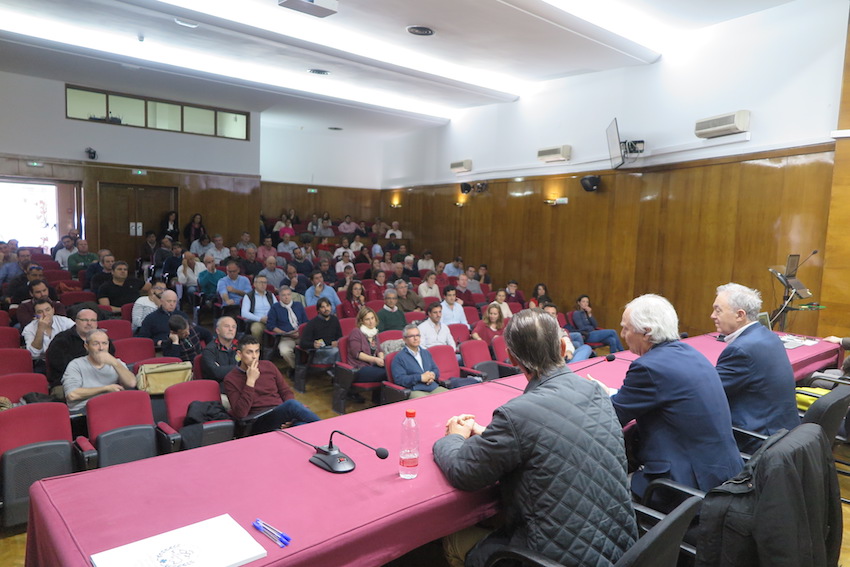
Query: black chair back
[{"x": 829, "y": 411}]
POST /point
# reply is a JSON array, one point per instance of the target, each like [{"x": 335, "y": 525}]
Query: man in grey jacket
[{"x": 557, "y": 452}]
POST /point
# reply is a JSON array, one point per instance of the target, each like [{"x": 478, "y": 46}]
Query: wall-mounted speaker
[
  {"x": 591, "y": 183},
  {"x": 465, "y": 188}
]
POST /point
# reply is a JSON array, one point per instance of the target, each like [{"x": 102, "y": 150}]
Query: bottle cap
[{"x": 410, "y": 413}]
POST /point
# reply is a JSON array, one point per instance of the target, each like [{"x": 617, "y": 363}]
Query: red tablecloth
[{"x": 366, "y": 517}]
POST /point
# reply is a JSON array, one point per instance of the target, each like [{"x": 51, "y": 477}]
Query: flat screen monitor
[
  {"x": 615, "y": 148},
  {"x": 791, "y": 265}
]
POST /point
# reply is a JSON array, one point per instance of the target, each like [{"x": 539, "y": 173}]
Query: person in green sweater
[
  {"x": 81, "y": 259},
  {"x": 390, "y": 317}
]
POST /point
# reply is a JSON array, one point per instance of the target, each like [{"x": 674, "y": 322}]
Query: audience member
[
  {"x": 364, "y": 349},
  {"x": 233, "y": 256},
  {"x": 201, "y": 247},
  {"x": 162, "y": 254},
  {"x": 82, "y": 259},
  {"x": 40, "y": 331},
  {"x": 513, "y": 294},
  {"x": 219, "y": 251},
  {"x": 250, "y": 266},
  {"x": 414, "y": 367},
  {"x": 557, "y": 451},
  {"x": 325, "y": 229},
  {"x": 298, "y": 283},
  {"x": 68, "y": 248},
  {"x": 219, "y": 356},
  {"x": 12, "y": 269},
  {"x": 314, "y": 225},
  {"x": 189, "y": 273},
  {"x": 409, "y": 269},
  {"x": 194, "y": 229},
  {"x": 380, "y": 227},
  {"x": 684, "y": 427},
  {"x": 377, "y": 250},
  {"x": 266, "y": 251},
  {"x": 390, "y": 317},
  {"x": 209, "y": 277},
  {"x": 392, "y": 244},
  {"x": 464, "y": 294},
  {"x": 281, "y": 222},
  {"x": 286, "y": 229},
  {"x": 355, "y": 300},
  {"x": 173, "y": 263},
  {"x": 471, "y": 283},
  {"x": 432, "y": 331},
  {"x": 184, "y": 339},
  {"x": 344, "y": 262},
  {"x": 169, "y": 226},
  {"x": 429, "y": 288},
  {"x": 245, "y": 242},
  {"x": 362, "y": 230},
  {"x": 148, "y": 248},
  {"x": 408, "y": 300},
  {"x": 19, "y": 287},
  {"x": 66, "y": 346},
  {"x": 540, "y": 296},
  {"x": 347, "y": 226},
  {"x": 387, "y": 263},
  {"x": 452, "y": 310},
  {"x": 489, "y": 327},
  {"x": 455, "y": 269},
  {"x": 38, "y": 290},
  {"x": 287, "y": 245},
  {"x": 322, "y": 333},
  {"x": 155, "y": 326},
  {"x": 400, "y": 255},
  {"x": 147, "y": 304},
  {"x": 121, "y": 289},
  {"x": 586, "y": 325},
  {"x": 442, "y": 279},
  {"x": 272, "y": 273},
  {"x": 285, "y": 317},
  {"x": 303, "y": 265},
  {"x": 395, "y": 231},
  {"x": 319, "y": 290},
  {"x": 373, "y": 270},
  {"x": 572, "y": 352},
  {"x": 256, "y": 306},
  {"x": 754, "y": 367},
  {"x": 328, "y": 274},
  {"x": 98, "y": 372},
  {"x": 426, "y": 262},
  {"x": 356, "y": 244},
  {"x": 483, "y": 276},
  {"x": 100, "y": 272},
  {"x": 232, "y": 288}
]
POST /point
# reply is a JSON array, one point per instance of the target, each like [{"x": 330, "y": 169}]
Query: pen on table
[{"x": 272, "y": 533}]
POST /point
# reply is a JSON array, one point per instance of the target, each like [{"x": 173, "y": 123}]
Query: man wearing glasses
[
  {"x": 68, "y": 345},
  {"x": 414, "y": 368}
]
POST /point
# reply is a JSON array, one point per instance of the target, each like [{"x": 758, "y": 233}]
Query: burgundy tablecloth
[{"x": 366, "y": 517}]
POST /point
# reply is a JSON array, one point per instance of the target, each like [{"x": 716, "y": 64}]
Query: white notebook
[{"x": 217, "y": 542}]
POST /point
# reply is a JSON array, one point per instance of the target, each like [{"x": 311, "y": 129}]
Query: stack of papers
[{"x": 217, "y": 542}]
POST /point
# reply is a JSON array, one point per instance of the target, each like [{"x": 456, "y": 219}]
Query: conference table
[{"x": 366, "y": 517}]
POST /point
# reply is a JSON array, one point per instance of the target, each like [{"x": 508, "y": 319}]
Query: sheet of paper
[{"x": 217, "y": 542}]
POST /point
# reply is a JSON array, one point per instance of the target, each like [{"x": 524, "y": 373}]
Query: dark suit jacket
[
  {"x": 684, "y": 431},
  {"x": 408, "y": 373},
  {"x": 759, "y": 383},
  {"x": 279, "y": 318}
]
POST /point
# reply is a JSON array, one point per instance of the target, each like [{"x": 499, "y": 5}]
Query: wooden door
[{"x": 120, "y": 205}]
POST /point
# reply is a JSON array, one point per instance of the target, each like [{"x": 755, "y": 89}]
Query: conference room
[{"x": 482, "y": 150}]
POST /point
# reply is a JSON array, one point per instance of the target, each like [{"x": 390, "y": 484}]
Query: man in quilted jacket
[{"x": 557, "y": 452}]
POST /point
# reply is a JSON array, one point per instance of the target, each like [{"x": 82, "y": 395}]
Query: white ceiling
[{"x": 483, "y": 51}]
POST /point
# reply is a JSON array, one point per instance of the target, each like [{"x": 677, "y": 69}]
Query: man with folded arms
[
  {"x": 255, "y": 386},
  {"x": 557, "y": 453},
  {"x": 284, "y": 319},
  {"x": 96, "y": 373},
  {"x": 754, "y": 367}
]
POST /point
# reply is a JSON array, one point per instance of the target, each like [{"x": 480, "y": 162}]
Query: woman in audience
[
  {"x": 374, "y": 269},
  {"x": 287, "y": 229},
  {"x": 585, "y": 324},
  {"x": 343, "y": 247},
  {"x": 357, "y": 245},
  {"x": 429, "y": 287},
  {"x": 293, "y": 217},
  {"x": 388, "y": 265},
  {"x": 364, "y": 348},
  {"x": 493, "y": 325},
  {"x": 194, "y": 230},
  {"x": 377, "y": 289},
  {"x": 355, "y": 300},
  {"x": 326, "y": 216},
  {"x": 280, "y": 223},
  {"x": 501, "y": 304},
  {"x": 170, "y": 228},
  {"x": 343, "y": 262},
  {"x": 540, "y": 296},
  {"x": 442, "y": 278}
]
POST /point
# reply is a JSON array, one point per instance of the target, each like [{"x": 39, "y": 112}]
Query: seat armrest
[
  {"x": 510, "y": 555},
  {"x": 745, "y": 434},
  {"x": 391, "y": 392},
  {"x": 245, "y": 425},
  {"x": 86, "y": 453},
  {"x": 467, "y": 371},
  {"x": 168, "y": 440},
  {"x": 669, "y": 486}
]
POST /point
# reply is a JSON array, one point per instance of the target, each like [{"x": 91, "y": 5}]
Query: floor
[{"x": 318, "y": 396}]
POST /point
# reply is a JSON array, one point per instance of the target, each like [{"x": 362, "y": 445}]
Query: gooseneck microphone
[
  {"x": 608, "y": 358},
  {"x": 801, "y": 263},
  {"x": 330, "y": 458}
]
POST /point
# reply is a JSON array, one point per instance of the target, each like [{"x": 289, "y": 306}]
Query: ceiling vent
[
  {"x": 318, "y": 8},
  {"x": 461, "y": 166},
  {"x": 723, "y": 125},
  {"x": 558, "y": 153}
]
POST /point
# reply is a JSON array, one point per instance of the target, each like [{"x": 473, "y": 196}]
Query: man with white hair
[
  {"x": 684, "y": 429},
  {"x": 96, "y": 373},
  {"x": 754, "y": 366}
]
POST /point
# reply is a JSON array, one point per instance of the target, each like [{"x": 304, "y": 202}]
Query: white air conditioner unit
[
  {"x": 723, "y": 125},
  {"x": 318, "y": 8},
  {"x": 461, "y": 166},
  {"x": 558, "y": 153}
]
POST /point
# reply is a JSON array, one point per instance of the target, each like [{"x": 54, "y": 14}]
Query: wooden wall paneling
[
  {"x": 361, "y": 204},
  {"x": 836, "y": 255}
]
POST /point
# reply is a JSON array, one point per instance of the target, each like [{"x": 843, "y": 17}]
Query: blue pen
[{"x": 272, "y": 533}]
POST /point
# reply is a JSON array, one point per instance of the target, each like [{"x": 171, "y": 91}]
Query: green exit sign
[{"x": 311, "y": 190}]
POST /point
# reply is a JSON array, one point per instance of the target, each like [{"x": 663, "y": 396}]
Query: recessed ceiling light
[
  {"x": 334, "y": 128},
  {"x": 420, "y": 30},
  {"x": 186, "y": 23},
  {"x": 319, "y": 71}
]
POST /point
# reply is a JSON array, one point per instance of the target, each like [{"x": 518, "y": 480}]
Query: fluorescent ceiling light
[
  {"x": 269, "y": 17},
  {"x": 622, "y": 19},
  {"x": 128, "y": 45}
]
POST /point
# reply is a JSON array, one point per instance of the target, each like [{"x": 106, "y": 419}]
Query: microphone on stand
[
  {"x": 801, "y": 263},
  {"x": 608, "y": 358},
  {"x": 333, "y": 460}
]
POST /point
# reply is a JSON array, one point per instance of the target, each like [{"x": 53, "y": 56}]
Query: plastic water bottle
[{"x": 408, "y": 455}]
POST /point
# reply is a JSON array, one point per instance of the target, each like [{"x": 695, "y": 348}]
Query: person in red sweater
[{"x": 255, "y": 386}]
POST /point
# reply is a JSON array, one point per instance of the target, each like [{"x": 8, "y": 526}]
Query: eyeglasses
[{"x": 413, "y": 337}]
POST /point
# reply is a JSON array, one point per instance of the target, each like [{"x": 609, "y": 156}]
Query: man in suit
[
  {"x": 684, "y": 430},
  {"x": 284, "y": 319},
  {"x": 754, "y": 366},
  {"x": 414, "y": 367}
]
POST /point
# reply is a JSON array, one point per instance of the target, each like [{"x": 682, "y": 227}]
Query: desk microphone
[
  {"x": 333, "y": 460},
  {"x": 608, "y": 358}
]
